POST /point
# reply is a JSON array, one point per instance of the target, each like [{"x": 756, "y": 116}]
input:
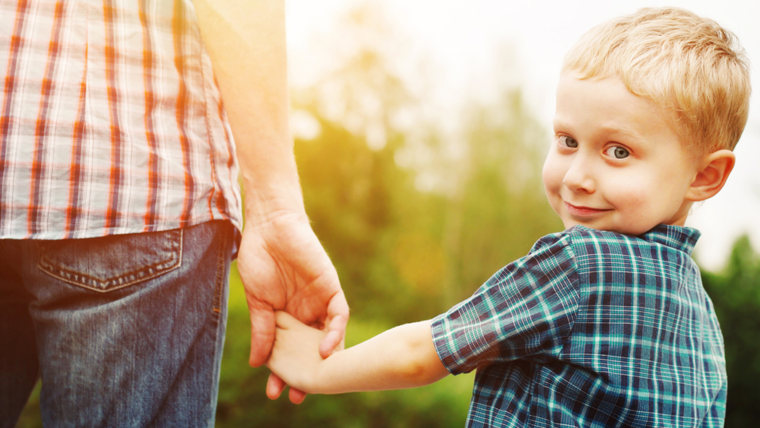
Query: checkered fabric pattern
[
  {"x": 110, "y": 121},
  {"x": 592, "y": 329}
]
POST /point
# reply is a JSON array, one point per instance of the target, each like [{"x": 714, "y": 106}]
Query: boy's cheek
[
  {"x": 552, "y": 176},
  {"x": 549, "y": 172}
]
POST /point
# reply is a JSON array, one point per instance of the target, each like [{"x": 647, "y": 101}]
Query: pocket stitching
[{"x": 88, "y": 282}]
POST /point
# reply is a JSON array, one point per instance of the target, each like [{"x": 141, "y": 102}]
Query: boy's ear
[{"x": 712, "y": 175}]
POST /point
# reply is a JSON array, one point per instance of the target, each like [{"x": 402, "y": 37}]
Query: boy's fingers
[
  {"x": 274, "y": 387},
  {"x": 296, "y": 396},
  {"x": 285, "y": 320}
]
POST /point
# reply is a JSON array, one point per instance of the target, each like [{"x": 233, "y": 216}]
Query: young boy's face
[{"x": 617, "y": 162}]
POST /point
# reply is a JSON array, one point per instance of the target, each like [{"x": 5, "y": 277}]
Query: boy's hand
[
  {"x": 402, "y": 357},
  {"x": 295, "y": 356}
]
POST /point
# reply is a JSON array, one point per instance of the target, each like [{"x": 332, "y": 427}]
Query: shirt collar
[{"x": 679, "y": 237}]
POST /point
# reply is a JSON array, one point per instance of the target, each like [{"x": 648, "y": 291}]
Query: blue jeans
[{"x": 123, "y": 330}]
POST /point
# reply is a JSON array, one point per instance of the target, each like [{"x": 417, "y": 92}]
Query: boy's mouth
[{"x": 583, "y": 211}]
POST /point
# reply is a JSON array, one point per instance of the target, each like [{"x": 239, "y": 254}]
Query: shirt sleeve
[{"x": 525, "y": 309}]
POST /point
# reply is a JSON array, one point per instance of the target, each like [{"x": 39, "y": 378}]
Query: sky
[{"x": 473, "y": 44}]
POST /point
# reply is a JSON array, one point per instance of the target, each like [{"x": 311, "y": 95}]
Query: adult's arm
[{"x": 281, "y": 262}]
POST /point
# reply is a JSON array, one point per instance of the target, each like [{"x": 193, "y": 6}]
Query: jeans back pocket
[{"x": 112, "y": 262}]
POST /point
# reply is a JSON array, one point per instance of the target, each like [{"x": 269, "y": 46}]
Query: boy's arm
[{"x": 402, "y": 357}]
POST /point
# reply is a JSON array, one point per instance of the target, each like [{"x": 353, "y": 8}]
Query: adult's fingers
[
  {"x": 337, "y": 320},
  {"x": 262, "y": 333}
]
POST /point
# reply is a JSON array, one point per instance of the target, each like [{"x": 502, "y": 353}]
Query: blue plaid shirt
[{"x": 591, "y": 329}]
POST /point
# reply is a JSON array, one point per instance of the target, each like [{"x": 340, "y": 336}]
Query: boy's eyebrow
[
  {"x": 558, "y": 124},
  {"x": 625, "y": 131},
  {"x": 614, "y": 129}
]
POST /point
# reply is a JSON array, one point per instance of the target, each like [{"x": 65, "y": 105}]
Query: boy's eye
[
  {"x": 566, "y": 141},
  {"x": 617, "y": 152}
]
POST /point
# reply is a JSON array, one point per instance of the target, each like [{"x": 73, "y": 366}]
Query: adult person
[{"x": 120, "y": 209}]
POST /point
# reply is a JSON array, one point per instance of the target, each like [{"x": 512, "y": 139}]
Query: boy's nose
[{"x": 579, "y": 177}]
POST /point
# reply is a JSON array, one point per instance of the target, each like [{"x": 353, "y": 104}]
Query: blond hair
[{"x": 683, "y": 62}]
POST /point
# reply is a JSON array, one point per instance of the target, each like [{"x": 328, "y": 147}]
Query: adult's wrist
[{"x": 266, "y": 202}]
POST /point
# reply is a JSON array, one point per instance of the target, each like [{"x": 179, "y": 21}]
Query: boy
[{"x": 607, "y": 322}]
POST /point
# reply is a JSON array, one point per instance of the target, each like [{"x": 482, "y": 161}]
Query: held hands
[
  {"x": 295, "y": 357},
  {"x": 284, "y": 267}
]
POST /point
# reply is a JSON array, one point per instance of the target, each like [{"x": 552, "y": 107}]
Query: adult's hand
[{"x": 284, "y": 267}]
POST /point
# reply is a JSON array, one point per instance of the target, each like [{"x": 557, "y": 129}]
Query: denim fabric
[{"x": 122, "y": 330}]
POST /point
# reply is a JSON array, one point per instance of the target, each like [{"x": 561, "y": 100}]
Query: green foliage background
[{"x": 415, "y": 216}]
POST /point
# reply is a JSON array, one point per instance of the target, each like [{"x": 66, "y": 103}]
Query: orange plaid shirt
[{"x": 110, "y": 121}]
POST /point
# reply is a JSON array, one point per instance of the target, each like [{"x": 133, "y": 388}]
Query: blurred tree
[
  {"x": 351, "y": 192},
  {"x": 498, "y": 209},
  {"x": 736, "y": 296},
  {"x": 382, "y": 233}
]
